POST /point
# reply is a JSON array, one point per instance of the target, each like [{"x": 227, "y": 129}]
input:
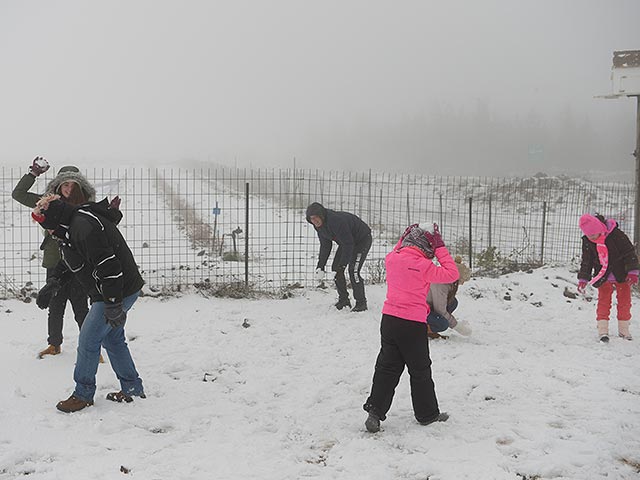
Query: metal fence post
[
  {"x": 490, "y": 239},
  {"x": 369, "y": 215},
  {"x": 380, "y": 212},
  {"x": 636, "y": 153},
  {"x": 408, "y": 208},
  {"x": 470, "y": 233},
  {"x": 246, "y": 236},
  {"x": 544, "y": 224}
]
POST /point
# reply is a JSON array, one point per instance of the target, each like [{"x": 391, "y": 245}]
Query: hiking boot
[
  {"x": 72, "y": 404},
  {"x": 434, "y": 335},
  {"x": 441, "y": 417},
  {"x": 360, "y": 307},
  {"x": 50, "y": 350},
  {"x": 122, "y": 397},
  {"x": 341, "y": 303},
  {"x": 372, "y": 423}
]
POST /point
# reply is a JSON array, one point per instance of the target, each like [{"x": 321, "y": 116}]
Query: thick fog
[{"x": 495, "y": 87}]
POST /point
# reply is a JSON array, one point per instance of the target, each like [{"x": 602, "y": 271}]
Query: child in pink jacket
[
  {"x": 403, "y": 329},
  {"x": 609, "y": 262}
]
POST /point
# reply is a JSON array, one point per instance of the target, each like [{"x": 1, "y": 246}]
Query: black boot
[
  {"x": 441, "y": 417},
  {"x": 342, "y": 302},
  {"x": 360, "y": 307},
  {"x": 358, "y": 294},
  {"x": 372, "y": 423},
  {"x": 341, "y": 287}
]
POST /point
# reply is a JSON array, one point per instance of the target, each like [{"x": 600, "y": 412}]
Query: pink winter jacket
[{"x": 409, "y": 275}]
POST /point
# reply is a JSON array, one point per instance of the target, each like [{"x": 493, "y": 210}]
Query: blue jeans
[
  {"x": 95, "y": 332},
  {"x": 437, "y": 322}
]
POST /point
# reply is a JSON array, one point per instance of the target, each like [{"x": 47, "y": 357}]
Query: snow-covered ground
[{"x": 273, "y": 389}]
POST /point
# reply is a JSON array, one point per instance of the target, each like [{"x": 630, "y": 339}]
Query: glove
[
  {"x": 39, "y": 166},
  {"x": 582, "y": 285},
  {"x": 319, "y": 274},
  {"x": 463, "y": 328},
  {"x": 115, "y": 203},
  {"x": 47, "y": 292},
  {"x": 632, "y": 278},
  {"x": 434, "y": 238},
  {"x": 114, "y": 314}
]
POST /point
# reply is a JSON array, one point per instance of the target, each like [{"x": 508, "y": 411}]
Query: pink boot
[
  {"x": 603, "y": 330},
  {"x": 623, "y": 329}
]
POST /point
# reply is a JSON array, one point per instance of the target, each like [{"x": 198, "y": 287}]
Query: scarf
[{"x": 603, "y": 251}]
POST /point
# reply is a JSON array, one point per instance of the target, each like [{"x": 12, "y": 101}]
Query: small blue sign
[{"x": 216, "y": 211}]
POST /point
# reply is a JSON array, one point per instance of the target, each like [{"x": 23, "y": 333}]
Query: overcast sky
[{"x": 446, "y": 87}]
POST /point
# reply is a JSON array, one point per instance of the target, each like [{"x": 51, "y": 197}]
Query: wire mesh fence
[{"x": 224, "y": 226}]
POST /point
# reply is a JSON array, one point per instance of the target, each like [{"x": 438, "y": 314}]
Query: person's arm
[
  {"x": 93, "y": 244},
  {"x": 107, "y": 271},
  {"x": 114, "y": 210},
  {"x": 628, "y": 253},
  {"x": 21, "y": 193},
  {"x": 586, "y": 262},
  {"x": 325, "y": 251},
  {"x": 446, "y": 272}
]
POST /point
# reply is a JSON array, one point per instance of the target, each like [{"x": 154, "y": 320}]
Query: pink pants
[{"x": 623, "y": 294}]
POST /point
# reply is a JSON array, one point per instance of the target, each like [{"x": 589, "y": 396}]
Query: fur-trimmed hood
[{"x": 72, "y": 174}]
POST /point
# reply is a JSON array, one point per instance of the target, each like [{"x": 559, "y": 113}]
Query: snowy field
[{"x": 273, "y": 389}]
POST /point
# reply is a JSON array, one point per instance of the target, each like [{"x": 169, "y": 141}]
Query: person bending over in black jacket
[{"x": 353, "y": 237}]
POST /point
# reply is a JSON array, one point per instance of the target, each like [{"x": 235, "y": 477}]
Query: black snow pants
[
  {"x": 360, "y": 251},
  {"x": 403, "y": 343},
  {"x": 77, "y": 295}
]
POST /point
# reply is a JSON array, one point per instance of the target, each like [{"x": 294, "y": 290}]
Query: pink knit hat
[{"x": 590, "y": 225}]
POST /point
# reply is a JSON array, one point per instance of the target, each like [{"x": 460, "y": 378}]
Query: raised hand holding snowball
[{"x": 39, "y": 166}]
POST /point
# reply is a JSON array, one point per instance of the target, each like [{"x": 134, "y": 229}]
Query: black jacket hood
[{"x": 316, "y": 209}]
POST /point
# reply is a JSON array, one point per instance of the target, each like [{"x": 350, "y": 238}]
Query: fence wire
[{"x": 191, "y": 228}]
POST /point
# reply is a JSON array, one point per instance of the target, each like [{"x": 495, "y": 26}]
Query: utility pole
[
  {"x": 636, "y": 217},
  {"x": 625, "y": 79}
]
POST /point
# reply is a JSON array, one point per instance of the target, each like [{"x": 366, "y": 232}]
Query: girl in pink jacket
[{"x": 410, "y": 272}]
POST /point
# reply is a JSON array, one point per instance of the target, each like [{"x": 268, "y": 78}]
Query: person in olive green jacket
[{"x": 74, "y": 188}]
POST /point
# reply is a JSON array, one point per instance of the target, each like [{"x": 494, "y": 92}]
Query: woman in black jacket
[{"x": 75, "y": 189}]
